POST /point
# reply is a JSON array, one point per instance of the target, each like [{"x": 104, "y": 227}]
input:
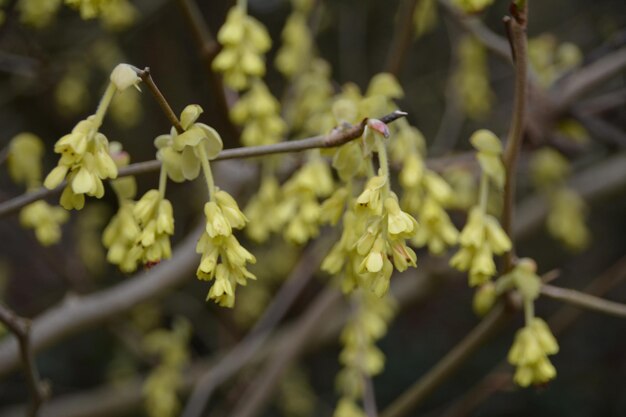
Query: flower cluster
[
  {"x": 295, "y": 54},
  {"x": 471, "y": 78},
  {"x": 482, "y": 236},
  {"x": 566, "y": 218},
  {"x": 24, "y": 160},
  {"x": 182, "y": 153},
  {"x": 45, "y": 219},
  {"x": 170, "y": 347},
  {"x": 375, "y": 231},
  {"x": 223, "y": 257},
  {"x": 550, "y": 60},
  {"x": 533, "y": 343},
  {"x": 299, "y": 209},
  {"x": 426, "y": 194},
  {"x": 360, "y": 357},
  {"x": 473, "y": 6},
  {"x": 244, "y": 41},
  {"x": 425, "y": 17},
  {"x": 264, "y": 201},
  {"x": 24, "y": 165},
  {"x": 259, "y": 112}
]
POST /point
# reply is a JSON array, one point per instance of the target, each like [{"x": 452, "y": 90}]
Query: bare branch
[
  {"x": 401, "y": 37},
  {"x": 583, "y": 300},
  {"x": 516, "y": 28},
  {"x": 335, "y": 138},
  {"x": 20, "y": 327},
  {"x": 448, "y": 365},
  {"x": 580, "y": 82}
]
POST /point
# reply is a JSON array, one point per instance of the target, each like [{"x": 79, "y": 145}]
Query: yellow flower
[
  {"x": 45, "y": 219},
  {"x": 259, "y": 112},
  {"x": 244, "y": 40},
  {"x": 86, "y": 161},
  {"x": 530, "y": 351},
  {"x": 24, "y": 159}
]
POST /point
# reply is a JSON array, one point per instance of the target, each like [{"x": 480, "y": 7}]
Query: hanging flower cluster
[
  {"x": 244, "y": 40},
  {"x": 473, "y": 6},
  {"x": 482, "y": 236},
  {"x": 223, "y": 257},
  {"x": 375, "y": 230},
  {"x": 296, "y": 52},
  {"x": 171, "y": 348},
  {"x": 259, "y": 112},
  {"x": 566, "y": 218},
  {"x": 85, "y": 159},
  {"x": 471, "y": 78},
  {"x": 534, "y": 342},
  {"x": 550, "y": 60},
  {"x": 424, "y": 17},
  {"x": 360, "y": 357},
  {"x": 426, "y": 194},
  {"x": 24, "y": 166}
]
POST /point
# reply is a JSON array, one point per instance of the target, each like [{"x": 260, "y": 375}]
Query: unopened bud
[
  {"x": 484, "y": 298},
  {"x": 123, "y": 76}
]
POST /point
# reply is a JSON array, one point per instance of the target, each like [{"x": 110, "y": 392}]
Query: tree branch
[
  {"x": 401, "y": 37},
  {"x": 448, "y": 365},
  {"x": 516, "y": 28},
  {"x": 583, "y": 300},
  {"x": 583, "y": 80},
  {"x": 146, "y": 77},
  {"x": 20, "y": 327}
]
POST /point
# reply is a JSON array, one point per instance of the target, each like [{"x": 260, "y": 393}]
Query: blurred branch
[
  {"x": 492, "y": 41},
  {"x": 336, "y": 138},
  {"x": 447, "y": 366},
  {"x": 516, "y": 30},
  {"x": 77, "y": 313},
  {"x": 20, "y": 327},
  {"x": 583, "y": 300},
  {"x": 245, "y": 350},
  {"x": 583, "y": 80},
  {"x": 401, "y": 39}
]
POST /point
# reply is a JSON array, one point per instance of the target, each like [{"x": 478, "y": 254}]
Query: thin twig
[
  {"x": 517, "y": 32},
  {"x": 336, "y": 138},
  {"x": 450, "y": 363},
  {"x": 20, "y": 327},
  {"x": 583, "y": 300},
  {"x": 146, "y": 77},
  {"x": 245, "y": 350},
  {"x": 495, "y": 43},
  {"x": 401, "y": 37}
]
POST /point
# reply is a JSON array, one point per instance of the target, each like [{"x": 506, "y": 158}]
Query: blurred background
[{"x": 52, "y": 74}]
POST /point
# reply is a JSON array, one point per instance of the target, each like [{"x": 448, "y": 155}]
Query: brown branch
[
  {"x": 583, "y": 300},
  {"x": 146, "y": 77},
  {"x": 516, "y": 28},
  {"x": 447, "y": 366},
  {"x": 336, "y": 138},
  {"x": 20, "y": 327},
  {"x": 401, "y": 37}
]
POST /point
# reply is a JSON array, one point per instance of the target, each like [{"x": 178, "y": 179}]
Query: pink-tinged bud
[{"x": 378, "y": 126}]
